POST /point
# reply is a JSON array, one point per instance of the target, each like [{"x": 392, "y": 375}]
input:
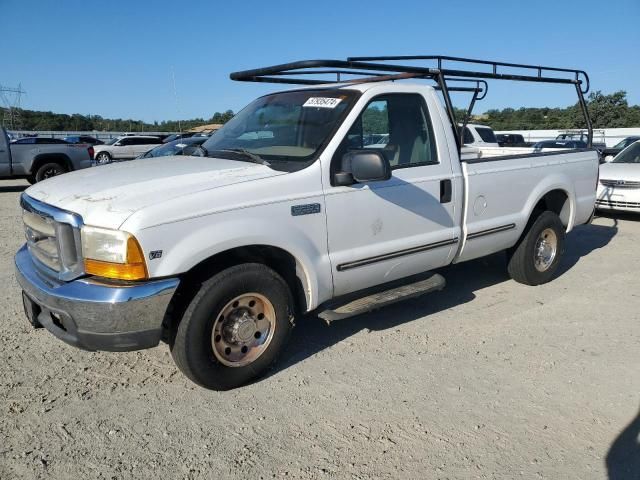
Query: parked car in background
[
  {"x": 511, "y": 140},
  {"x": 39, "y": 161},
  {"x": 183, "y": 146},
  {"x": 598, "y": 142},
  {"x": 125, "y": 148},
  {"x": 609, "y": 153},
  {"x": 479, "y": 136},
  {"x": 178, "y": 136},
  {"x": 619, "y": 183},
  {"x": 376, "y": 140},
  {"x": 83, "y": 139},
  {"x": 555, "y": 144},
  {"x": 39, "y": 141}
]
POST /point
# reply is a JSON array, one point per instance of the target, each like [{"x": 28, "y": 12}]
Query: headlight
[{"x": 112, "y": 254}]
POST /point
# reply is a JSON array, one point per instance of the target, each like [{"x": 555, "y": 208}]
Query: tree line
[
  {"x": 43, "y": 121},
  {"x": 606, "y": 111}
]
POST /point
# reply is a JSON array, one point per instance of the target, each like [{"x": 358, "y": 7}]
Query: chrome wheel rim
[
  {"x": 102, "y": 158},
  {"x": 243, "y": 330},
  {"x": 545, "y": 250}
]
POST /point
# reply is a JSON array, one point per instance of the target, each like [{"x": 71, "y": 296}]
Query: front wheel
[
  {"x": 535, "y": 258},
  {"x": 234, "y": 328}
]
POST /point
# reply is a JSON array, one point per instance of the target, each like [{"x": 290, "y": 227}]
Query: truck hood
[
  {"x": 620, "y": 171},
  {"x": 107, "y": 195}
]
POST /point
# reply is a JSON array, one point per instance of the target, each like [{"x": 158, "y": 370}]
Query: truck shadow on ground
[
  {"x": 626, "y": 216},
  {"x": 623, "y": 459},
  {"x": 313, "y": 335},
  {"x": 584, "y": 239},
  {"x": 13, "y": 188}
]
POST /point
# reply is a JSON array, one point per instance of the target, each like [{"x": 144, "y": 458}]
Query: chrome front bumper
[{"x": 92, "y": 314}]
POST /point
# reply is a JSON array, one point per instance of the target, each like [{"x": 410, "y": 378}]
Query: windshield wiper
[{"x": 252, "y": 157}]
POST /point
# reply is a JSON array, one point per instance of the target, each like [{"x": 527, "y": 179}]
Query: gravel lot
[{"x": 488, "y": 379}]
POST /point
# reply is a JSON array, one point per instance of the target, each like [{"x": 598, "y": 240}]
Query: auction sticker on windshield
[{"x": 322, "y": 102}]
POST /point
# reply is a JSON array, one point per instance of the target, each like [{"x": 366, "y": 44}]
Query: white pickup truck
[{"x": 287, "y": 212}]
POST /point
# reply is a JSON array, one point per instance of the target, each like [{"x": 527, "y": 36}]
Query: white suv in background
[
  {"x": 125, "y": 148},
  {"x": 479, "y": 136}
]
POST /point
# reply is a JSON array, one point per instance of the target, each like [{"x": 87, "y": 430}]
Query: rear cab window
[{"x": 486, "y": 134}]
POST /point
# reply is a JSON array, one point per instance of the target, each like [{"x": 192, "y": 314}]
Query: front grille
[
  {"x": 614, "y": 203},
  {"x": 53, "y": 238},
  {"x": 620, "y": 183},
  {"x": 41, "y": 239}
]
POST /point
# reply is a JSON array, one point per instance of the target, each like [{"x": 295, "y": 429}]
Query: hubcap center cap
[
  {"x": 240, "y": 327},
  {"x": 545, "y": 250}
]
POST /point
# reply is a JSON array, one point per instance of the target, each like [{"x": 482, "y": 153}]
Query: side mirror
[{"x": 363, "y": 166}]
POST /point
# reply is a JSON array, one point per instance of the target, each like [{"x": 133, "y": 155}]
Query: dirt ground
[{"x": 487, "y": 379}]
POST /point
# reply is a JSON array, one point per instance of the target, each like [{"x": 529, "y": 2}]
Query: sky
[{"x": 161, "y": 60}]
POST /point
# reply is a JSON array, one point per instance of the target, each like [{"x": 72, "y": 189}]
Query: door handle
[{"x": 445, "y": 191}]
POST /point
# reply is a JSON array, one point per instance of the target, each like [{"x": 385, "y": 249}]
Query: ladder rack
[{"x": 355, "y": 70}]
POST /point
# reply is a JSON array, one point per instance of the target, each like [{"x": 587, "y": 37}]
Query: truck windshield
[
  {"x": 286, "y": 130},
  {"x": 629, "y": 155},
  {"x": 626, "y": 141}
]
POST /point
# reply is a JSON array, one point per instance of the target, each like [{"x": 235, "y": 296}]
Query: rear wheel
[
  {"x": 535, "y": 258},
  {"x": 47, "y": 170},
  {"x": 234, "y": 328}
]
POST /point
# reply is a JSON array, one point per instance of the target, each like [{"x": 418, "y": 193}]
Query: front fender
[{"x": 187, "y": 243}]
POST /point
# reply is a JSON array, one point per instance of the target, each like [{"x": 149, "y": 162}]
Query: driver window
[{"x": 397, "y": 125}]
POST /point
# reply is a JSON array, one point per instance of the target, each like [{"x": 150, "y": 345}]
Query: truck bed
[{"x": 494, "y": 185}]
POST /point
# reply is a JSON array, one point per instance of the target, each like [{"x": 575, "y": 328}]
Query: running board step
[{"x": 381, "y": 298}]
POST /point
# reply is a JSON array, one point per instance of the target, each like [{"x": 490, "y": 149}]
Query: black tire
[
  {"x": 192, "y": 342},
  {"x": 102, "y": 158},
  {"x": 522, "y": 257},
  {"x": 48, "y": 170}
]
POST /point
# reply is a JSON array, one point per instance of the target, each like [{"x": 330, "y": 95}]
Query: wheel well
[
  {"x": 51, "y": 158},
  {"x": 556, "y": 201},
  {"x": 278, "y": 259}
]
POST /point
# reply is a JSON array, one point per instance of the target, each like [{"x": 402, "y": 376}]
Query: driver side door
[{"x": 386, "y": 230}]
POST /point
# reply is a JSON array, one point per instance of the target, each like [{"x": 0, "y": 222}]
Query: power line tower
[{"x": 11, "y": 98}]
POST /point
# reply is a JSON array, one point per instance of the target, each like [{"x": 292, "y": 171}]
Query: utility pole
[
  {"x": 175, "y": 94},
  {"x": 11, "y": 98}
]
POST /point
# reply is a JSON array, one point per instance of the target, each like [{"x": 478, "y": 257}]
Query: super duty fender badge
[
  {"x": 307, "y": 209},
  {"x": 155, "y": 254}
]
